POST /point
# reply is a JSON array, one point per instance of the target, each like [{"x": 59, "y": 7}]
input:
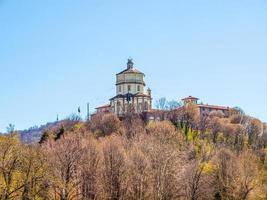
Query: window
[
  {"x": 119, "y": 88},
  {"x": 129, "y": 88},
  {"x": 140, "y": 107},
  {"x": 138, "y": 88}
]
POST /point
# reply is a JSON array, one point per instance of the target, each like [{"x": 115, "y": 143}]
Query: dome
[{"x": 130, "y": 68}]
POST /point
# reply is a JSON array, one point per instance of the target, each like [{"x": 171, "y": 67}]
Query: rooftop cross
[{"x": 130, "y": 63}]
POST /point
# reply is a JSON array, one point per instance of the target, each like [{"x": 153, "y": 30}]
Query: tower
[
  {"x": 130, "y": 91},
  {"x": 190, "y": 99}
]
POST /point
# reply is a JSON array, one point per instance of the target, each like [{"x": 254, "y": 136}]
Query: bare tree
[
  {"x": 34, "y": 173},
  {"x": 248, "y": 169},
  {"x": 162, "y": 103},
  {"x": 215, "y": 127},
  {"x": 164, "y": 131},
  {"x": 90, "y": 169},
  {"x": 138, "y": 171},
  {"x": 254, "y": 128},
  {"x": 226, "y": 176},
  {"x": 113, "y": 169},
  {"x": 165, "y": 164},
  {"x": 187, "y": 118},
  {"x": 65, "y": 160},
  {"x": 173, "y": 104},
  {"x": 133, "y": 125},
  {"x": 197, "y": 184},
  {"x": 106, "y": 124}
]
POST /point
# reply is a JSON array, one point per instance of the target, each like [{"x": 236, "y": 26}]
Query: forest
[{"x": 186, "y": 156}]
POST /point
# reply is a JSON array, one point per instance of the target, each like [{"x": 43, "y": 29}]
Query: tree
[
  {"x": 197, "y": 184},
  {"x": 226, "y": 175},
  {"x": 163, "y": 130},
  {"x": 46, "y": 136},
  {"x": 161, "y": 103},
  {"x": 104, "y": 125},
  {"x": 65, "y": 158},
  {"x": 187, "y": 117},
  {"x": 10, "y": 157},
  {"x": 74, "y": 117},
  {"x": 22, "y": 170},
  {"x": 10, "y": 128},
  {"x": 59, "y": 133},
  {"x": 90, "y": 170},
  {"x": 248, "y": 169},
  {"x": 215, "y": 127},
  {"x": 34, "y": 174},
  {"x": 166, "y": 164},
  {"x": 173, "y": 104},
  {"x": 133, "y": 125},
  {"x": 254, "y": 129},
  {"x": 113, "y": 169},
  {"x": 138, "y": 174}
]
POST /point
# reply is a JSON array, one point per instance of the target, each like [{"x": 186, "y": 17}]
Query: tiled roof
[
  {"x": 131, "y": 70},
  {"x": 213, "y": 107},
  {"x": 133, "y": 95},
  {"x": 103, "y": 106},
  {"x": 190, "y": 97}
]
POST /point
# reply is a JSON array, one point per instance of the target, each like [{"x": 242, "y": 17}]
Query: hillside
[
  {"x": 184, "y": 156},
  {"x": 33, "y": 134}
]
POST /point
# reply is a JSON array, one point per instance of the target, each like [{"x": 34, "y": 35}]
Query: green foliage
[{"x": 59, "y": 133}]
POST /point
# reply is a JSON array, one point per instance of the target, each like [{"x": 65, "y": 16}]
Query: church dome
[{"x": 130, "y": 68}]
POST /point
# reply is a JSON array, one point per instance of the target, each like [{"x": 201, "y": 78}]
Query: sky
[{"x": 58, "y": 55}]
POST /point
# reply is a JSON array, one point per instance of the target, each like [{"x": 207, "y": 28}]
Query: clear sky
[{"x": 56, "y": 55}]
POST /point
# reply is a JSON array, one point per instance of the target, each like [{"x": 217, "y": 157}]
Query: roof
[
  {"x": 213, "y": 107},
  {"x": 103, "y": 106},
  {"x": 131, "y": 70},
  {"x": 190, "y": 97},
  {"x": 133, "y": 95},
  {"x": 139, "y": 94}
]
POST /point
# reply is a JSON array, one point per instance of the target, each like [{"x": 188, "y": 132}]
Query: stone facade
[{"x": 130, "y": 92}]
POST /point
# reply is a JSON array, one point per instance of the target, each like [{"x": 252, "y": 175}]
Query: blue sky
[{"x": 58, "y": 55}]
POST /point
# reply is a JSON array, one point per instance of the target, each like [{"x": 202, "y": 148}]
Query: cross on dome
[{"x": 130, "y": 63}]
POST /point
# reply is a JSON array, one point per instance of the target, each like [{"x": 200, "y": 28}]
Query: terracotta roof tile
[
  {"x": 190, "y": 97},
  {"x": 103, "y": 106},
  {"x": 213, "y": 107},
  {"x": 131, "y": 70}
]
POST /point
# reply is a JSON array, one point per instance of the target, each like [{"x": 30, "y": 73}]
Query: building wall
[
  {"x": 103, "y": 110},
  {"x": 130, "y": 79},
  {"x": 140, "y": 104},
  {"x": 123, "y": 88},
  {"x": 206, "y": 110}
]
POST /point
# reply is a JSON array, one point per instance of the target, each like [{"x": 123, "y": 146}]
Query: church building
[
  {"x": 132, "y": 96},
  {"x": 131, "y": 93}
]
